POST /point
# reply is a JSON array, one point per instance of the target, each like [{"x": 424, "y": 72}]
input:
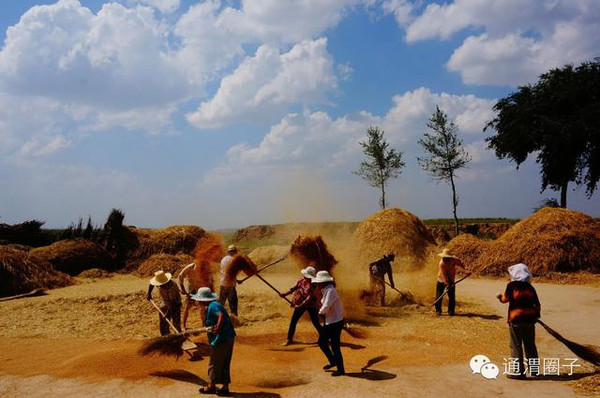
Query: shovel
[{"x": 446, "y": 289}]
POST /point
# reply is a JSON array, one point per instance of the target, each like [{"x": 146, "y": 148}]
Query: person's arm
[
  {"x": 443, "y": 273},
  {"x": 149, "y": 295},
  {"x": 538, "y": 306},
  {"x": 292, "y": 289},
  {"x": 219, "y": 324},
  {"x": 390, "y": 276},
  {"x": 181, "y": 277},
  {"x": 504, "y": 298},
  {"x": 326, "y": 302}
]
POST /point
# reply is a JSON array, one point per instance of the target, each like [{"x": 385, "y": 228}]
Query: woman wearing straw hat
[
  {"x": 304, "y": 300},
  {"x": 523, "y": 312},
  {"x": 333, "y": 312},
  {"x": 171, "y": 301},
  {"x": 220, "y": 339},
  {"x": 445, "y": 280}
]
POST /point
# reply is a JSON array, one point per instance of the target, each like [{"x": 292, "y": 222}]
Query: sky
[{"x": 225, "y": 114}]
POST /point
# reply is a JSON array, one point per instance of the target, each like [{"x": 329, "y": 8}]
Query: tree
[
  {"x": 382, "y": 162},
  {"x": 558, "y": 118},
  {"x": 445, "y": 153}
]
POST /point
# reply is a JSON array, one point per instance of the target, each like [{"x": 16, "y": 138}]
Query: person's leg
[
  {"x": 528, "y": 336},
  {"x": 233, "y": 300},
  {"x": 324, "y": 338},
  {"x": 163, "y": 325},
  {"x": 336, "y": 349},
  {"x": 186, "y": 311},
  {"x": 381, "y": 294},
  {"x": 314, "y": 317},
  {"x": 226, "y": 371},
  {"x": 439, "y": 290},
  {"x": 213, "y": 363},
  {"x": 292, "y": 328},
  {"x": 176, "y": 316},
  {"x": 374, "y": 284},
  {"x": 516, "y": 349},
  {"x": 451, "y": 299}
]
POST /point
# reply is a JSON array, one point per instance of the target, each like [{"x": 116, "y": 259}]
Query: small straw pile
[
  {"x": 396, "y": 231},
  {"x": 73, "y": 256},
  {"x": 21, "y": 273},
  {"x": 312, "y": 250}
]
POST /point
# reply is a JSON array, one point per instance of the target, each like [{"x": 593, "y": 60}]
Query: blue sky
[{"x": 231, "y": 113}]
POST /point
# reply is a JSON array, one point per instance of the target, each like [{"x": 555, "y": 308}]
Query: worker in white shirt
[
  {"x": 197, "y": 275},
  {"x": 333, "y": 312}
]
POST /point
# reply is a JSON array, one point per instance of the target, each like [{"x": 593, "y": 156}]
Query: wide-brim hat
[
  {"x": 231, "y": 249},
  {"x": 204, "y": 294},
  {"x": 446, "y": 254},
  {"x": 322, "y": 276},
  {"x": 309, "y": 272},
  {"x": 160, "y": 278}
]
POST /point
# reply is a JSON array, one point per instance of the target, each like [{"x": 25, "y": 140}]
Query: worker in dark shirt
[
  {"x": 523, "y": 312},
  {"x": 378, "y": 269}
]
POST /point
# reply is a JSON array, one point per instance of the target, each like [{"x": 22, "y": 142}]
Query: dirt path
[{"x": 426, "y": 355}]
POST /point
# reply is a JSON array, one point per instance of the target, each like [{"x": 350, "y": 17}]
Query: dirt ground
[{"x": 82, "y": 341}]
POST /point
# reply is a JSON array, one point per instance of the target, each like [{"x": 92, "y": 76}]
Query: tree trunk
[
  {"x": 382, "y": 197},
  {"x": 454, "y": 205},
  {"x": 563, "y": 194}
]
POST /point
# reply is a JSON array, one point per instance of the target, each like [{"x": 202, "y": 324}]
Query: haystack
[
  {"x": 312, "y": 250},
  {"x": 172, "y": 263},
  {"x": 172, "y": 240},
  {"x": 468, "y": 248},
  {"x": 21, "y": 273},
  {"x": 393, "y": 230},
  {"x": 551, "y": 240},
  {"x": 73, "y": 256}
]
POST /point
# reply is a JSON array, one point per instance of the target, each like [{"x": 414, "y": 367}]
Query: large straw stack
[
  {"x": 396, "y": 231},
  {"x": 72, "y": 256},
  {"x": 550, "y": 240}
]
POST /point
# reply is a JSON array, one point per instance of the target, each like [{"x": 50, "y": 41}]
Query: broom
[
  {"x": 588, "y": 352},
  {"x": 169, "y": 345}
]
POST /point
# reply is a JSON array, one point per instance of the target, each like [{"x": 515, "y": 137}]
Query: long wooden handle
[
  {"x": 446, "y": 289},
  {"x": 272, "y": 287},
  {"x": 164, "y": 316},
  {"x": 263, "y": 268}
]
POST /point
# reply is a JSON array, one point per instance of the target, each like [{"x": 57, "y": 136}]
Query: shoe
[
  {"x": 328, "y": 366},
  {"x": 338, "y": 373},
  {"x": 221, "y": 392},
  {"x": 287, "y": 343},
  {"x": 451, "y": 313},
  {"x": 206, "y": 390}
]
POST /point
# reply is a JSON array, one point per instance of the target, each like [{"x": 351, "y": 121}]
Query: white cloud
[
  {"x": 287, "y": 21},
  {"x": 165, "y": 6},
  {"x": 514, "y": 41},
  {"x": 316, "y": 142},
  {"x": 268, "y": 83},
  {"x": 402, "y": 10},
  {"x": 39, "y": 147}
]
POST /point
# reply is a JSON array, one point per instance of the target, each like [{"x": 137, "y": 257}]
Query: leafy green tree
[
  {"x": 558, "y": 119},
  {"x": 445, "y": 153},
  {"x": 381, "y": 163}
]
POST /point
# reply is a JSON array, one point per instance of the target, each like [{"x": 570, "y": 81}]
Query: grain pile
[
  {"x": 312, "y": 250},
  {"x": 393, "y": 230},
  {"x": 468, "y": 248},
  {"x": 167, "y": 262},
  {"x": 551, "y": 240},
  {"x": 72, "y": 256},
  {"x": 172, "y": 240},
  {"x": 21, "y": 273}
]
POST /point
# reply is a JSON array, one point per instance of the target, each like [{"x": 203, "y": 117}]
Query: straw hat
[
  {"x": 160, "y": 278},
  {"x": 446, "y": 254},
  {"x": 232, "y": 249},
  {"x": 204, "y": 294},
  {"x": 309, "y": 272},
  {"x": 322, "y": 276}
]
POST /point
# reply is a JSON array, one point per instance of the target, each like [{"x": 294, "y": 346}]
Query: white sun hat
[
  {"x": 309, "y": 272},
  {"x": 322, "y": 276},
  {"x": 160, "y": 278},
  {"x": 204, "y": 294}
]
